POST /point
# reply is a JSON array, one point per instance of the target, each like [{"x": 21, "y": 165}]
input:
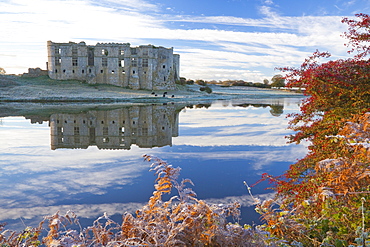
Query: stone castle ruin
[{"x": 143, "y": 67}]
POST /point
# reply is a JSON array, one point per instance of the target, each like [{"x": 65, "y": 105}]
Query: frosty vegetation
[
  {"x": 183, "y": 220},
  {"x": 321, "y": 200}
]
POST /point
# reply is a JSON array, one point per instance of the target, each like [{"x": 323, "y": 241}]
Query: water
[{"x": 89, "y": 160}]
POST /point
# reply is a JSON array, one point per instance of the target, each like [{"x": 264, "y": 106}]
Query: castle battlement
[{"x": 142, "y": 67}]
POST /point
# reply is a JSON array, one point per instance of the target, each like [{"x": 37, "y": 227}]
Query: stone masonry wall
[{"x": 144, "y": 67}]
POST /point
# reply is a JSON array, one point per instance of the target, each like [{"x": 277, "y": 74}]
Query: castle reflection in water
[{"x": 145, "y": 126}]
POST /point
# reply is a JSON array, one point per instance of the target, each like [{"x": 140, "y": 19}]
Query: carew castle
[{"x": 143, "y": 67}]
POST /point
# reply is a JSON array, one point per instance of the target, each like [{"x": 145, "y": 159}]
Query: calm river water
[{"x": 90, "y": 160}]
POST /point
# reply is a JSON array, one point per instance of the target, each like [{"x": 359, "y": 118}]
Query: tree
[
  {"x": 2, "y": 71},
  {"x": 322, "y": 195},
  {"x": 182, "y": 81},
  {"x": 358, "y": 34},
  {"x": 207, "y": 89},
  {"x": 201, "y": 82},
  {"x": 276, "y": 110},
  {"x": 265, "y": 81},
  {"x": 278, "y": 81}
]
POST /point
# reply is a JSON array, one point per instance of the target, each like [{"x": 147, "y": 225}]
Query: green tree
[
  {"x": 182, "y": 81},
  {"x": 278, "y": 81},
  {"x": 276, "y": 110},
  {"x": 201, "y": 82}
]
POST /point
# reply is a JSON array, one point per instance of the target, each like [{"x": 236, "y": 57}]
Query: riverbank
[{"x": 45, "y": 90}]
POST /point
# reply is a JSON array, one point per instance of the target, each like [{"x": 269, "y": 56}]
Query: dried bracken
[{"x": 183, "y": 220}]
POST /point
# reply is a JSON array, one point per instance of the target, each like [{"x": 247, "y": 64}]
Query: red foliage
[
  {"x": 358, "y": 33},
  {"x": 338, "y": 93}
]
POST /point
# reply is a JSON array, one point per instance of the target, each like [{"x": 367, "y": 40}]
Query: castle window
[
  {"x": 112, "y": 72},
  {"x": 145, "y": 62},
  {"x": 104, "y": 62},
  {"x": 74, "y": 61},
  {"x": 164, "y": 66},
  {"x": 104, "y": 52},
  {"x": 83, "y": 71},
  {"x": 164, "y": 78},
  {"x": 76, "y": 130},
  {"x": 123, "y": 72},
  {"x": 105, "y": 131},
  {"x": 73, "y": 71},
  {"x": 64, "y": 71},
  {"x": 133, "y": 72},
  {"x": 133, "y": 62},
  {"x": 133, "y": 51},
  {"x": 57, "y": 50},
  {"x": 122, "y": 63},
  {"x": 101, "y": 71},
  {"x": 145, "y": 53},
  {"x": 56, "y": 71},
  {"x": 90, "y": 71},
  {"x": 58, "y": 60},
  {"x": 90, "y": 57},
  {"x": 74, "y": 51},
  {"x": 105, "y": 139},
  {"x": 122, "y": 52}
]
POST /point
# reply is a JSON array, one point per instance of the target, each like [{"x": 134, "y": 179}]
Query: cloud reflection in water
[{"x": 217, "y": 148}]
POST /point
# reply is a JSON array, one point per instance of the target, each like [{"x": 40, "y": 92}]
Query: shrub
[
  {"x": 183, "y": 220},
  {"x": 206, "y": 89},
  {"x": 201, "y": 82},
  {"x": 321, "y": 197},
  {"x": 182, "y": 81}
]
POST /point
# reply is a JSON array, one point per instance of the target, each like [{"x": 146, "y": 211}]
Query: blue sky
[{"x": 216, "y": 39}]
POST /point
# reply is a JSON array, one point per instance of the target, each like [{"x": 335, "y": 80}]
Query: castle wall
[{"x": 143, "y": 67}]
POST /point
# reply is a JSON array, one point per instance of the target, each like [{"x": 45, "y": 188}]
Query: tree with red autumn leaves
[{"x": 322, "y": 196}]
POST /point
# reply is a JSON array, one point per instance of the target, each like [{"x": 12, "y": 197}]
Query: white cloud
[
  {"x": 228, "y": 54},
  {"x": 269, "y": 2},
  {"x": 32, "y": 216},
  {"x": 131, "y": 5}
]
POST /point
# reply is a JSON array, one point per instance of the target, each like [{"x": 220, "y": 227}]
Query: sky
[{"x": 216, "y": 39}]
